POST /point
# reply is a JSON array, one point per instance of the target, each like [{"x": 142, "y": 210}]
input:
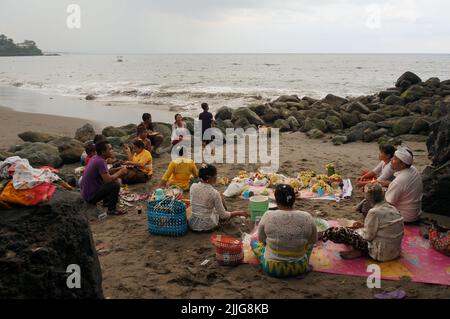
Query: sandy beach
[
  {"x": 13, "y": 123},
  {"x": 136, "y": 264}
]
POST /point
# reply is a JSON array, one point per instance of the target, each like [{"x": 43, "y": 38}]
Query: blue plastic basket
[{"x": 167, "y": 218}]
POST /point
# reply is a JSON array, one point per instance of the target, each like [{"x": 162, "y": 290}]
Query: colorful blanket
[{"x": 419, "y": 261}]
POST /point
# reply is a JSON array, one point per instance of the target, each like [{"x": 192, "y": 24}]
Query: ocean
[{"x": 180, "y": 83}]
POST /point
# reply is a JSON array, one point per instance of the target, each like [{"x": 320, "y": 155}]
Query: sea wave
[{"x": 133, "y": 90}]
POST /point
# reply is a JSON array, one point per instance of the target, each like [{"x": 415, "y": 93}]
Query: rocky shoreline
[{"x": 408, "y": 108}]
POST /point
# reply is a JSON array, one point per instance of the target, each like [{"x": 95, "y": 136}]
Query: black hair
[
  {"x": 207, "y": 171},
  {"x": 99, "y": 138},
  {"x": 100, "y": 147},
  {"x": 285, "y": 195},
  {"x": 90, "y": 149},
  {"x": 176, "y": 115},
  {"x": 388, "y": 149},
  {"x": 139, "y": 144},
  {"x": 146, "y": 116},
  {"x": 205, "y": 106},
  {"x": 140, "y": 129}
]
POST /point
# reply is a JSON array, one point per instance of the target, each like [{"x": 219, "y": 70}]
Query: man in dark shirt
[{"x": 207, "y": 121}]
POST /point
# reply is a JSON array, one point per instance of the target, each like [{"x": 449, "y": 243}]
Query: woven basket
[
  {"x": 229, "y": 250},
  {"x": 167, "y": 218}
]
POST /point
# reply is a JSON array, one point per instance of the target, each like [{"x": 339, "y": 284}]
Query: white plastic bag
[{"x": 234, "y": 189}]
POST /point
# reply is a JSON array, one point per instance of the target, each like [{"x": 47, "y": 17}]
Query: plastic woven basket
[
  {"x": 229, "y": 250},
  {"x": 167, "y": 218}
]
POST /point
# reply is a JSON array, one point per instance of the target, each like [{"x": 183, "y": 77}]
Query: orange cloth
[{"x": 27, "y": 197}]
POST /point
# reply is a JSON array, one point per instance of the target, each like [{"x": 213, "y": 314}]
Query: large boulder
[
  {"x": 85, "y": 133},
  {"x": 420, "y": 126},
  {"x": 339, "y": 139},
  {"x": 267, "y": 113},
  {"x": 394, "y": 100},
  {"x": 241, "y": 123},
  {"x": 357, "y": 132},
  {"x": 315, "y": 133},
  {"x": 402, "y": 126},
  {"x": 356, "y": 107},
  {"x": 224, "y": 113},
  {"x": 130, "y": 129},
  {"x": 334, "y": 100},
  {"x": 37, "y": 245},
  {"x": 334, "y": 123},
  {"x": 70, "y": 149},
  {"x": 283, "y": 125},
  {"x": 375, "y": 117},
  {"x": 314, "y": 123},
  {"x": 249, "y": 115},
  {"x": 414, "y": 93},
  {"x": 407, "y": 79},
  {"x": 436, "y": 178},
  {"x": 34, "y": 137},
  {"x": 190, "y": 124},
  {"x": 111, "y": 131},
  {"x": 349, "y": 119},
  {"x": 384, "y": 94},
  {"x": 166, "y": 131},
  {"x": 41, "y": 154},
  {"x": 288, "y": 98},
  {"x": 293, "y": 123}
]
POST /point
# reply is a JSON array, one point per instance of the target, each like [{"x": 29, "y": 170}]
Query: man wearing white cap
[{"x": 405, "y": 192}]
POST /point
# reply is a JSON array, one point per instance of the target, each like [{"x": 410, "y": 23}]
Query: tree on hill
[{"x": 9, "y": 48}]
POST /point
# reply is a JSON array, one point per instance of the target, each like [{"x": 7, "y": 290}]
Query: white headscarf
[{"x": 403, "y": 154}]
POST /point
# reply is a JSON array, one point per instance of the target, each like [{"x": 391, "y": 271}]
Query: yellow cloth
[
  {"x": 145, "y": 159},
  {"x": 180, "y": 171}
]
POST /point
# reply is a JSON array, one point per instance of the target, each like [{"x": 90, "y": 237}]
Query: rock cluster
[{"x": 408, "y": 108}]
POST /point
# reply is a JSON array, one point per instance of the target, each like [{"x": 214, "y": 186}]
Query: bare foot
[{"x": 352, "y": 254}]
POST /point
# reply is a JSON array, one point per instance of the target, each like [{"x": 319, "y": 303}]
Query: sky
[{"x": 230, "y": 26}]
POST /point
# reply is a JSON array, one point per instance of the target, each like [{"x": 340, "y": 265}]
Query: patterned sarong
[{"x": 281, "y": 269}]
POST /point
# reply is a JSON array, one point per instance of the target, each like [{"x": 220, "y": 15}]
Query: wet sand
[{"x": 14, "y": 122}]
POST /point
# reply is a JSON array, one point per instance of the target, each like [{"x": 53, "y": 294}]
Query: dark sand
[{"x": 138, "y": 265}]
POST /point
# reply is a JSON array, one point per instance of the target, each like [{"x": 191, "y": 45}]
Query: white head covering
[{"x": 403, "y": 155}]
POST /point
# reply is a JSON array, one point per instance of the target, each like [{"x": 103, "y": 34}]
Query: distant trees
[{"x": 9, "y": 48}]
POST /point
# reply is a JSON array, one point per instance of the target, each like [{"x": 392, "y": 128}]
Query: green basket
[{"x": 257, "y": 206}]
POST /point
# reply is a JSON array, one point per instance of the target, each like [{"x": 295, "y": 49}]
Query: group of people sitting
[
  {"x": 101, "y": 183},
  {"x": 286, "y": 236}
]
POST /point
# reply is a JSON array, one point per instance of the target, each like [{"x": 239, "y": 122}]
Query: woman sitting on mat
[
  {"x": 383, "y": 173},
  {"x": 179, "y": 173},
  {"x": 206, "y": 202},
  {"x": 286, "y": 237},
  {"x": 381, "y": 237}
]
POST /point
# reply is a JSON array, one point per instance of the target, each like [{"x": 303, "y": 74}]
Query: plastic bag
[{"x": 234, "y": 189}]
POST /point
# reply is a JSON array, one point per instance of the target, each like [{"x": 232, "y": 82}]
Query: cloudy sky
[{"x": 232, "y": 26}]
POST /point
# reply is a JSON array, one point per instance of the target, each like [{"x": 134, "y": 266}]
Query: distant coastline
[{"x": 26, "y": 48}]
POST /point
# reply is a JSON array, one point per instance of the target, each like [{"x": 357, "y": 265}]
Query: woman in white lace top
[{"x": 207, "y": 203}]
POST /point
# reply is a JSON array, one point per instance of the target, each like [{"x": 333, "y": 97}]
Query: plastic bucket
[{"x": 257, "y": 206}]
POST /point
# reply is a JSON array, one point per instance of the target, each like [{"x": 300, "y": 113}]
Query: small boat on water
[{"x": 119, "y": 59}]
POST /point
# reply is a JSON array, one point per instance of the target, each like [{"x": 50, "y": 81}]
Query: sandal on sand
[
  {"x": 396, "y": 294},
  {"x": 117, "y": 213}
]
